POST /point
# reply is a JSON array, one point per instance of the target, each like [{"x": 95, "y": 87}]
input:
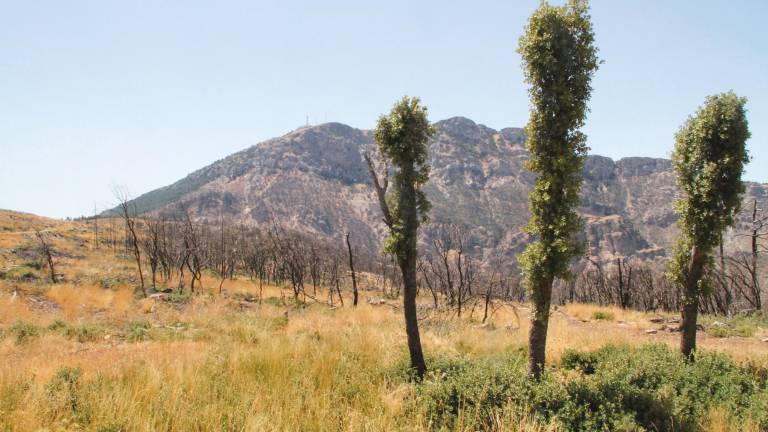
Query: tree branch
[{"x": 381, "y": 188}]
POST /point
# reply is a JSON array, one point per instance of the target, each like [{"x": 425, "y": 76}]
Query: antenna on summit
[{"x": 307, "y": 120}]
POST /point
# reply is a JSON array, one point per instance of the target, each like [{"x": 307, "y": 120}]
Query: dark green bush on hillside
[
  {"x": 614, "y": 388},
  {"x": 24, "y": 332}
]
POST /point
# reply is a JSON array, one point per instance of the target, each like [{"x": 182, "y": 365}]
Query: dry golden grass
[{"x": 216, "y": 363}]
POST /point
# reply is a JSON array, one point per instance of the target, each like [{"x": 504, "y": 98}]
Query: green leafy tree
[
  {"x": 709, "y": 158},
  {"x": 560, "y": 59},
  {"x": 402, "y": 138}
]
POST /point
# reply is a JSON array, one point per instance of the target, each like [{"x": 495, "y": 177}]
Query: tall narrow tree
[
  {"x": 709, "y": 158},
  {"x": 559, "y": 61},
  {"x": 352, "y": 270},
  {"x": 402, "y": 138}
]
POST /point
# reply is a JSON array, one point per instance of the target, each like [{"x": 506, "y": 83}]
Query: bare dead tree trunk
[
  {"x": 487, "y": 299},
  {"x": 47, "y": 251},
  {"x": 725, "y": 282},
  {"x": 352, "y": 269},
  {"x": 621, "y": 284},
  {"x": 755, "y": 281},
  {"x": 130, "y": 227},
  {"x": 95, "y": 228}
]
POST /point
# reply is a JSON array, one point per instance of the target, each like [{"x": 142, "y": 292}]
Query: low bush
[
  {"x": 602, "y": 315},
  {"x": 65, "y": 397},
  {"x": 57, "y": 326},
  {"x": 246, "y": 296},
  {"x": 179, "y": 298},
  {"x": 37, "y": 265},
  {"x": 136, "y": 331},
  {"x": 23, "y": 331},
  {"x": 739, "y": 325},
  {"x": 84, "y": 332},
  {"x": 613, "y": 388}
]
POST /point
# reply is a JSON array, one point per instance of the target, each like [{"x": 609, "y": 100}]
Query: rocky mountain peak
[{"x": 314, "y": 179}]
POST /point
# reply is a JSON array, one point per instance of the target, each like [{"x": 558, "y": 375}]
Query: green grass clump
[
  {"x": 245, "y": 296},
  {"x": 85, "y": 332},
  {"x": 613, "y": 388},
  {"x": 65, "y": 398},
  {"x": 24, "y": 332},
  {"x": 137, "y": 331},
  {"x": 37, "y": 265},
  {"x": 179, "y": 298},
  {"x": 602, "y": 315},
  {"x": 739, "y": 325},
  {"x": 57, "y": 326}
]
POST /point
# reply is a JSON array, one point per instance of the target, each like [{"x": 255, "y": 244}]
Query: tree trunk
[
  {"x": 753, "y": 273},
  {"x": 408, "y": 268},
  {"x": 352, "y": 269},
  {"x": 537, "y": 336},
  {"x": 691, "y": 304},
  {"x": 487, "y": 302}
]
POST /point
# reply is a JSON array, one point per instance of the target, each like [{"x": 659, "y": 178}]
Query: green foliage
[
  {"x": 65, "y": 397},
  {"x": 84, "y": 332},
  {"x": 738, "y": 325},
  {"x": 274, "y": 301},
  {"x": 560, "y": 59},
  {"x": 613, "y": 388},
  {"x": 179, "y": 298},
  {"x": 57, "y": 326},
  {"x": 24, "y": 332},
  {"x": 112, "y": 427},
  {"x": 12, "y": 393},
  {"x": 602, "y": 316},
  {"x": 402, "y": 138},
  {"x": 136, "y": 331},
  {"x": 245, "y": 296},
  {"x": 22, "y": 272},
  {"x": 709, "y": 158},
  {"x": 37, "y": 265}
]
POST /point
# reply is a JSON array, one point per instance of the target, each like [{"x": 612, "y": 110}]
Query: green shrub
[
  {"x": 37, "y": 265},
  {"x": 282, "y": 302},
  {"x": 64, "y": 396},
  {"x": 12, "y": 393},
  {"x": 278, "y": 322},
  {"x": 739, "y": 325},
  {"x": 112, "y": 427},
  {"x": 274, "y": 301},
  {"x": 57, "y": 326},
  {"x": 24, "y": 332},
  {"x": 137, "y": 331},
  {"x": 245, "y": 296},
  {"x": 84, "y": 332},
  {"x": 179, "y": 298},
  {"x": 602, "y": 315},
  {"x": 613, "y": 388}
]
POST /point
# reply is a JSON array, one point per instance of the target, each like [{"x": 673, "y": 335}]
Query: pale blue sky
[{"x": 100, "y": 93}]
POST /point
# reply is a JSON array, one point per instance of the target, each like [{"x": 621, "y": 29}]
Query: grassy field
[{"x": 88, "y": 354}]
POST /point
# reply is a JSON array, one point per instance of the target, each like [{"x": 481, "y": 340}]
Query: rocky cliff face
[{"x": 314, "y": 180}]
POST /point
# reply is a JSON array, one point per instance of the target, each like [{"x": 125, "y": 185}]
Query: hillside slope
[{"x": 314, "y": 180}]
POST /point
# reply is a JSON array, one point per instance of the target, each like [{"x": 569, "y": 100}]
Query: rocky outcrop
[{"x": 314, "y": 179}]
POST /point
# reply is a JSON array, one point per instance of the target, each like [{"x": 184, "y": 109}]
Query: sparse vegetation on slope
[{"x": 88, "y": 355}]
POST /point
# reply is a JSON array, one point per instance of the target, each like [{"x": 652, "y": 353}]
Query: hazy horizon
[{"x": 139, "y": 95}]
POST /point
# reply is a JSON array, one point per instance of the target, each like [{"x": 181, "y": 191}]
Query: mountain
[{"x": 314, "y": 180}]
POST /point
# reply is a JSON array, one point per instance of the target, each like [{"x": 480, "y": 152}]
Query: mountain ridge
[{"x": 314, "y": 179}]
